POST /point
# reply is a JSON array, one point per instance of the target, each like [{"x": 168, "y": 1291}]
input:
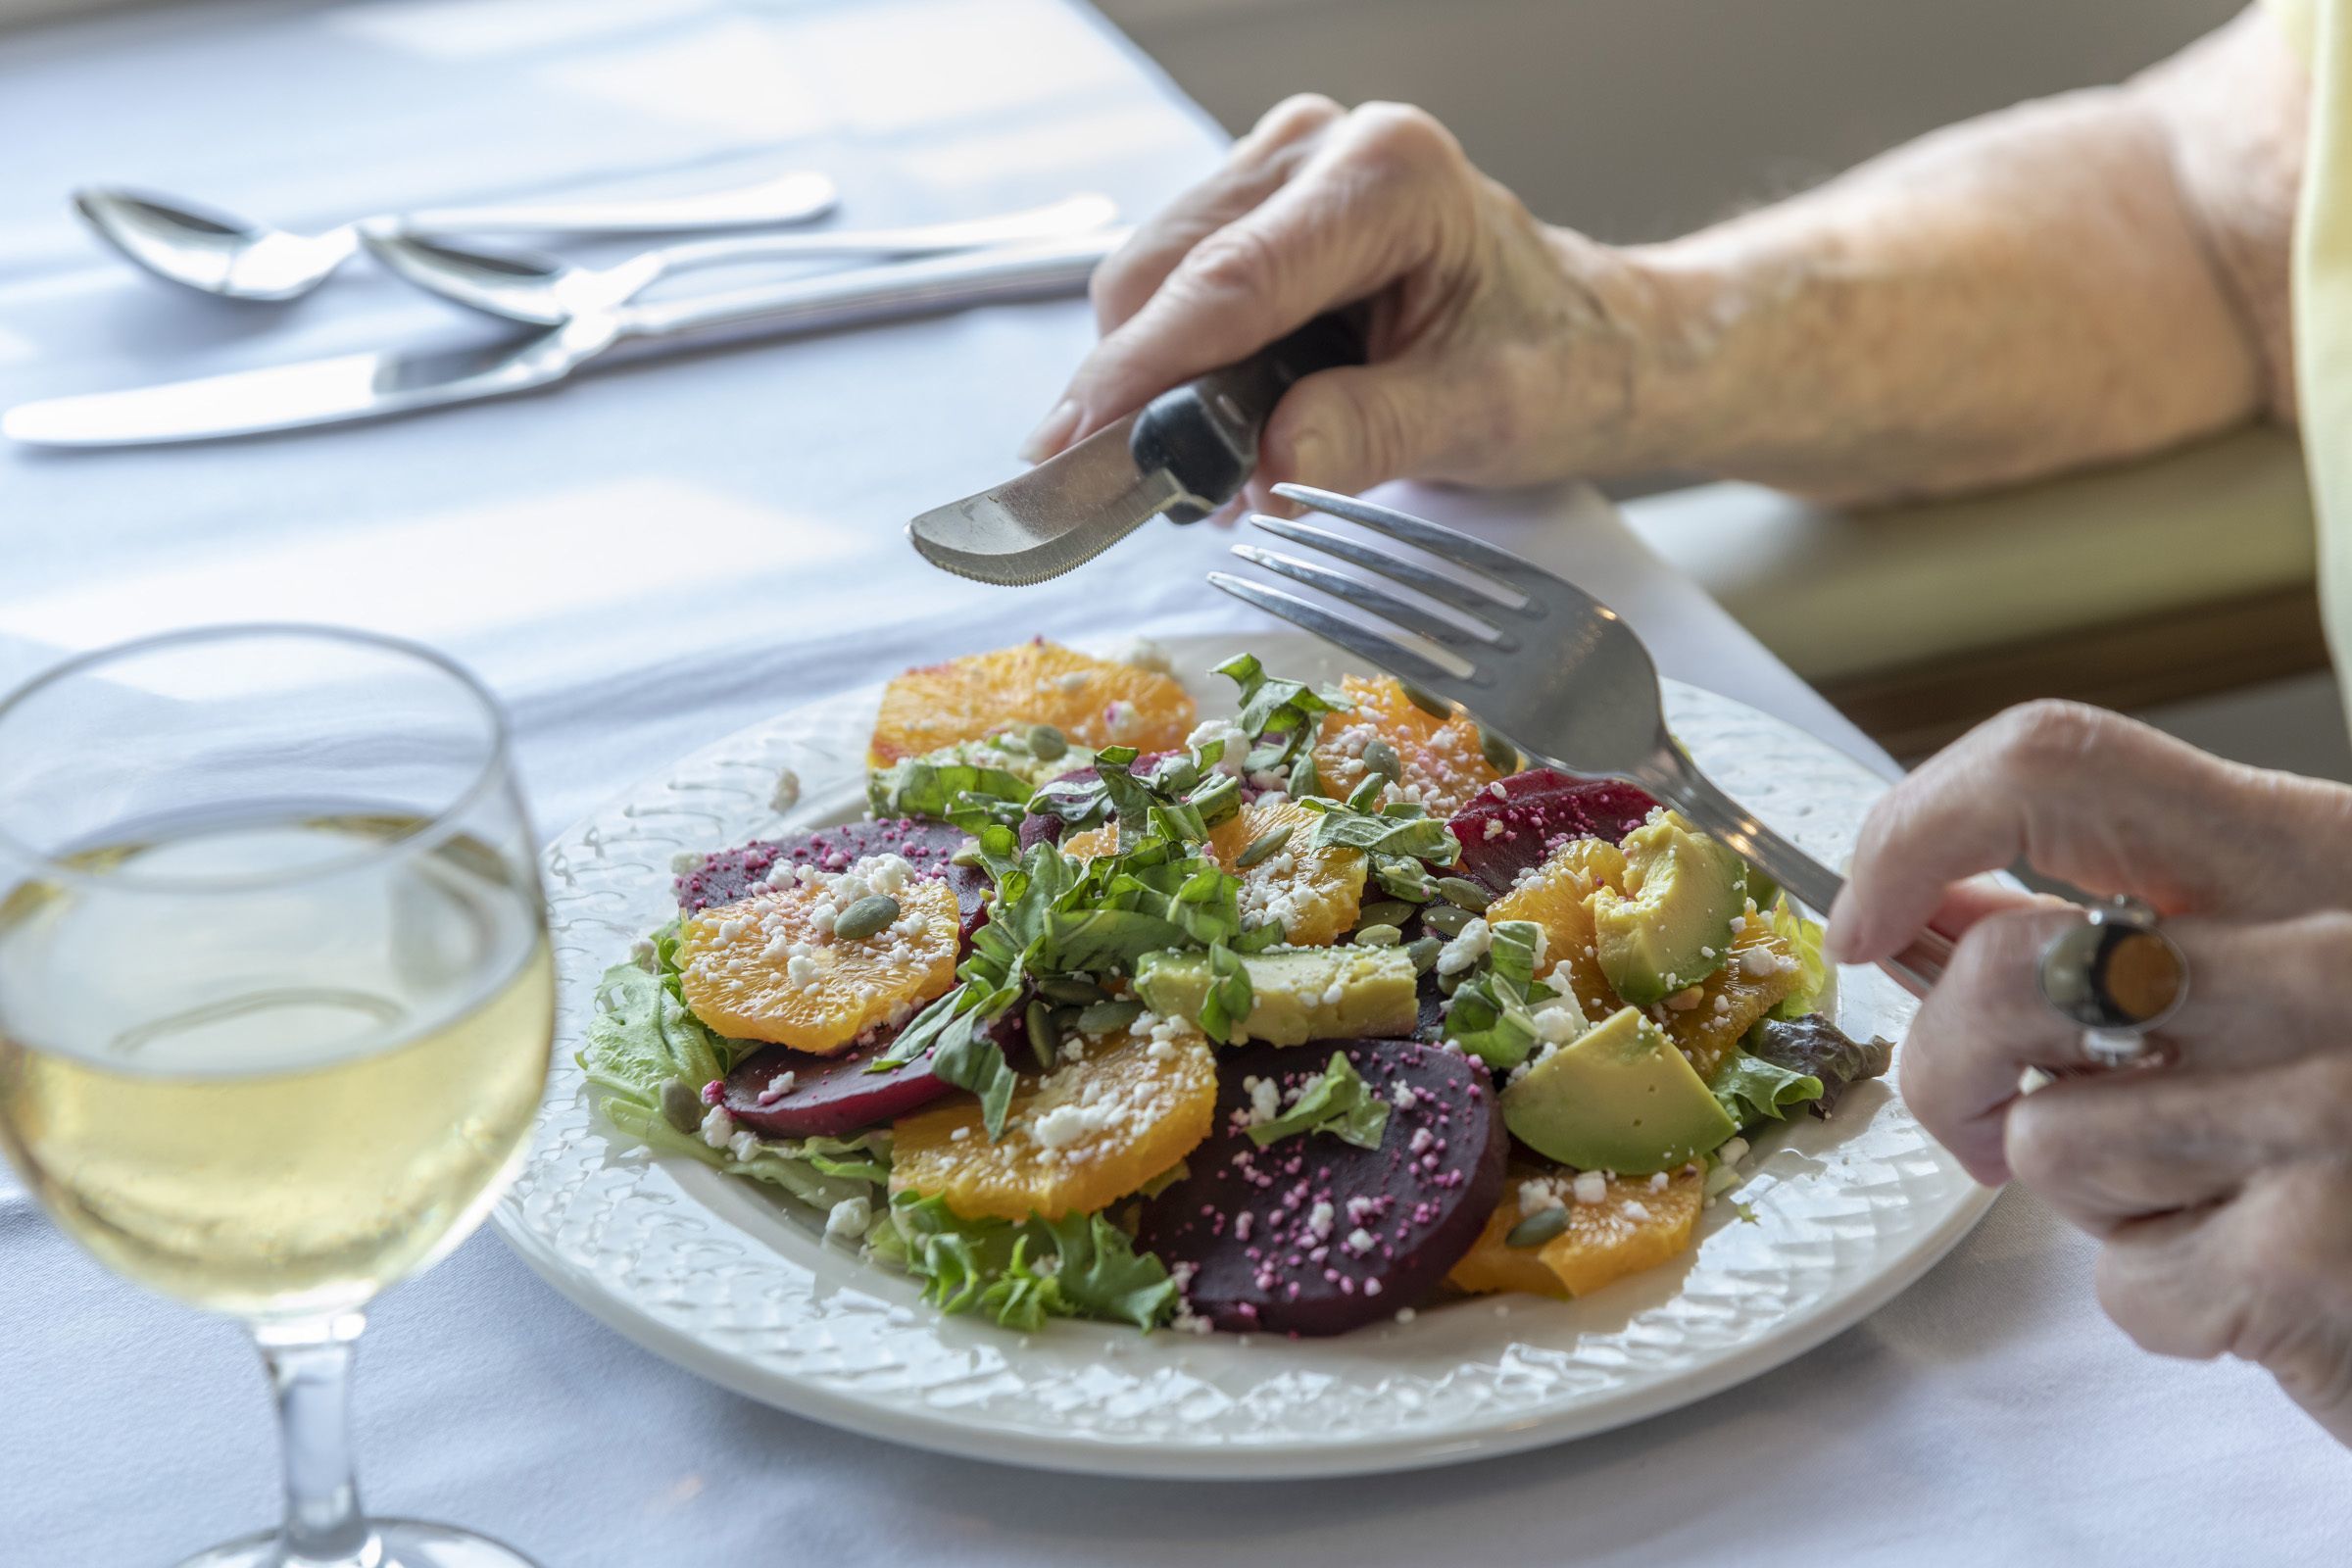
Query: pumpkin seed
[
  {"x": 866, "y": 917},
  {"x": 1424, "y": 952},
  {"x": 1502, "y": 755},
  {"x": 1073, "y": 989},
  {"x": 681, "y": 1107},
  {"x": 1538, "y": 1228},
  {"x": 966, "y": 854},
  {"x": 1038, "y": 1019},
  {"x": 1380, "y": 935},
  {"x": 1461, "y": 890},
  {"x": 1108, "y": 1017},
  {"x": 1263, "y": 846},
  {"x": 1045, "y": 743},
  {"x": 1427, "y": 701},
  {"x": 1445, "y": 918},
  {"x": 1381, "y": 758},
  {"x": 1449, "y": 984},
  {"x": 1386, "y": 912}
]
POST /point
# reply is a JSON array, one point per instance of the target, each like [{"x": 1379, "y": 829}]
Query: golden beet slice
[
  {"x": 1442, "y": 759},
  {"x": 1093, "y": 702},
  {"x": 1316, "y": 893},
  {"x": 1114, "y": 1112},
  {"x": 769, "y": 968},
  {"x": 1635, "y": 1226}
]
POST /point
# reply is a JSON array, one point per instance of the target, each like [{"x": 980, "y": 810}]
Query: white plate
[{"x": 738, "y": 1285}]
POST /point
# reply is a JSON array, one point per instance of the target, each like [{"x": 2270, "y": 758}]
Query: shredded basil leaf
[{"x": 1337, "y": 1101}]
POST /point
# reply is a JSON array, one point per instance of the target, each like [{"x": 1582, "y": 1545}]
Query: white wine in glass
[{"x": 275, "y": 1002}]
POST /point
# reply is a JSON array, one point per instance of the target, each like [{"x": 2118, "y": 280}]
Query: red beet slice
[
  {"x": 929, "y": 846},
  {"x": 829, "y": 1096},
  {"x": 1311, "y": 1235},
  {"x": 1537, "y": 811}
]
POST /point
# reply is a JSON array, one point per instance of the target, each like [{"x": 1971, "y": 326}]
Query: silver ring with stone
[{"x": 2118, "y": 975}]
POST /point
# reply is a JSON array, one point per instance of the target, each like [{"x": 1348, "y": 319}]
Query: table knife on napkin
[
  {"x": 350, "y": 387},
  {"x": 1181, "y": 456}
]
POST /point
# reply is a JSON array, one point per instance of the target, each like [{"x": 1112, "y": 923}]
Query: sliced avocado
[
  {"x": 1619, "y": 1096},
  {"x": 1297, "y": 994},
  {"x": 1672, "y": 927}
]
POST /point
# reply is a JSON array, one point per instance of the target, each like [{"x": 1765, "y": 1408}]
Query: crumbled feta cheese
[
  {"x": 643, "y": 955},
  {"x": 1319, "y": 1219},
  {"x": 1757, "y": 962},
  {"x": 1144, "y": 654},
  {"x": 787, "y": 793},
  {"x": 1467, "y": 948},
  {"x": 1558, "y": 1025},
  {"x": 717, "y": 1127},
  {"x": 1733, "y": 1152},
  {"x": 1592, "y": 1187},
  {"x": 745, "y": 1145},
  {"x": 849, "y": 1217},
  {"x": 686, "y": 863}
]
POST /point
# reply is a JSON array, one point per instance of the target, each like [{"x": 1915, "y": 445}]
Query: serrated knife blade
[{"x": 1059, "y": 514}]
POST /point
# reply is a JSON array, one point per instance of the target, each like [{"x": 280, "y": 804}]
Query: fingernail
[
  {"x": 1052, "y": 434},
  {"x": 1840, "y": 940}
]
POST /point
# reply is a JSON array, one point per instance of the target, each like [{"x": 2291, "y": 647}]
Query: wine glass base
[{"x": 398, "y": 1544}]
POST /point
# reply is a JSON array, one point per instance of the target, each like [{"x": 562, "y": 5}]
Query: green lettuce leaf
[
  {"x": 1415, "y": 838},
  {"x": 1804, "y": 938},
  {"x": 818, "y": 1171},
  {"x": 1751, "y": 1089},
  {"x": 1337, "y": 1101},
  {"x": 642, "y": 1036},
  {"x": 1816, "y": 1046},
  {"x": 1019, "y": 1275}
]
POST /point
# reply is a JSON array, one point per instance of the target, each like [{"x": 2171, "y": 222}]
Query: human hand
[
  {"x": 2219, "y": 1183},
  {"x": 1500, "y": 350}
]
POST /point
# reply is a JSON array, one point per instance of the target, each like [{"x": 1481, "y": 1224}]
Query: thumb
[{"x": 1347, "y": 430}]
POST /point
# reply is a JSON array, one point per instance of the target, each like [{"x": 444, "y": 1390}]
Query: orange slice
[
  {"x": 1316, "y": 893},
  {"x": 1733, "y": 997},
  {"x": 1114, "y": 1112},
  {"x": 1093, "y": 702},
  {"x": 1443, "y": 764},
  {"x": 1557, "y": 896},
  {"x": 768, "y": 966},
  {"x": 1635, "y": 1227}
]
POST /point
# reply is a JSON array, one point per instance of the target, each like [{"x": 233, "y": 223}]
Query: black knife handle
[{"x": 1204, "y": 433}]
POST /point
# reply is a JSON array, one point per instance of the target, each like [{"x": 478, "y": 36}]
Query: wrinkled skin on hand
[
  {"x": 1500, "y": 349},
  {"x": 2219, "y": 1183}
]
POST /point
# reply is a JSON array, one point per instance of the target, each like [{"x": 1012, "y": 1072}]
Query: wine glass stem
[{"x": 309, "y": 1368}]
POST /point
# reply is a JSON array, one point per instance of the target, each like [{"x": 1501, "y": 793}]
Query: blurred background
[{"x": 1633, "y": 120}]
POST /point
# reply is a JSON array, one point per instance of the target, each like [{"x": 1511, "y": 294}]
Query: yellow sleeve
[{"x": 2299, "y": 19}]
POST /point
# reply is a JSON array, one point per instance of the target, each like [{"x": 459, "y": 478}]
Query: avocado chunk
[
  {"x": 1672, "y": 927},
  {"x": 1297, "y": 995},
  {"x": 1619, "y": 1096}
]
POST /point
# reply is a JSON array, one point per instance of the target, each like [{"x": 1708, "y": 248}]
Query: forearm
[{"x": 2072, "y": 281}]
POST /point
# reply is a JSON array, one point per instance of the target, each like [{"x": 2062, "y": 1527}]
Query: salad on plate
[{"x": 1292, "y": 1021}]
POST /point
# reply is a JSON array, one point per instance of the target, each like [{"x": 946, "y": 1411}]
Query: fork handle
[
  {"x": 1204, "y": 433},
  {"x": 1802, "y": 877}
]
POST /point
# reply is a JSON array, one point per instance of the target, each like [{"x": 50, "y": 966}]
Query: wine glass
[{"x": 275, "y": 1002}]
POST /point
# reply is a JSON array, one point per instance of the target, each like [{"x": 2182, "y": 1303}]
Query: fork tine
[
  {"x": 1436, "y": 538},
  {"x": 1387, "y": 606},
  {"x": 1468, "y": 598},
  {"x": 1361, "y": 641}
]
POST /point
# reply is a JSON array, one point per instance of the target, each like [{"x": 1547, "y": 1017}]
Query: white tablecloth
[{"x": 653, "y": 557}]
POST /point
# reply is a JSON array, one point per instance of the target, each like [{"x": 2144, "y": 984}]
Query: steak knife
[
  {"x": 1181, "y": 456},
  {"x": 352, "y": 388}
]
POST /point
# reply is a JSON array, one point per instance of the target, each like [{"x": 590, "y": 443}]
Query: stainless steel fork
[{"x": 1544, "y": 663}]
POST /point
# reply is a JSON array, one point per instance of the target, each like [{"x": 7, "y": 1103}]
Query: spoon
[
  {"x": 547, "y": 291},
  {"x": 219, "y": 253}
]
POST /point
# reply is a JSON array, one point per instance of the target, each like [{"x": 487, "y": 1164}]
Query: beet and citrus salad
[{"x": 1287, "y": 1023}]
